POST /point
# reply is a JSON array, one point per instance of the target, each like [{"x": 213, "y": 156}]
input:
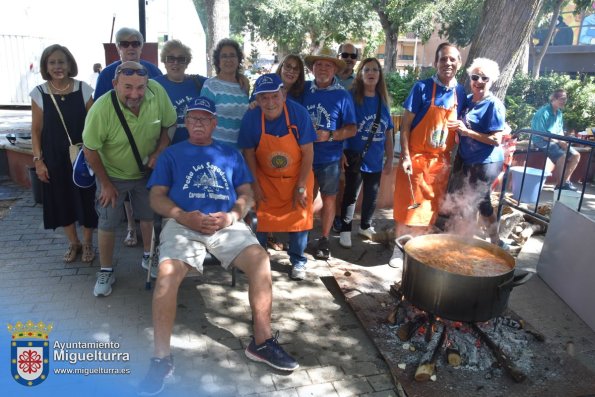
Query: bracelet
[{"x": 37, "y": 158}]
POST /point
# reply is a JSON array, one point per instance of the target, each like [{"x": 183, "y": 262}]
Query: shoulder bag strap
[
  {"x": 374, "y": 128},
  {"x": 59, "y": 114},
  {"x": 139, "y": 162}
]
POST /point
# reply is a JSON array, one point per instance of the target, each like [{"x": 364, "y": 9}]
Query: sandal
[
  {"x": 88, "y": 253},
  {"x": 72, "y": 252},
  {"x": 273, "y": 244},
  {"x": 130, "y": 240}
]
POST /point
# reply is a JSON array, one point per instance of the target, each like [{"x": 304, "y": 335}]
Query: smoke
[{"x": 460, "y": 207}]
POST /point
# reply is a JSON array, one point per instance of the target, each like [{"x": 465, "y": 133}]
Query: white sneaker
[
  {"x": 103, "y": 285},
  {"x": 396, "y": 261},
  {"x": 345, "y": 239},
  {"x": 368, "y": 233},
  {"x": 146, "y": 262},
  {"x": 298, "y": 273}
]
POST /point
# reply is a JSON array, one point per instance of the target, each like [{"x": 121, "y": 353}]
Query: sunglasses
[
  {"x": 126, "y": 44},
  {"x": 348, "y": 55},
  {"x": 476, "y": 77},
  {"x": 130, "y": 72},
  {"x": 172, "y": 59}
]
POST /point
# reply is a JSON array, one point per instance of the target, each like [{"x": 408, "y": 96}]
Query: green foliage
[
  {"x": 459, "y": 21},
  {"x": 293, "y": 25},
  {"x": 525, "y": 95}
]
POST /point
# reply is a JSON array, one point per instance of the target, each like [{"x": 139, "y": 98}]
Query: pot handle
[
  {"x": 517, "y": 279},
  {"x": 405, "y": 238}
]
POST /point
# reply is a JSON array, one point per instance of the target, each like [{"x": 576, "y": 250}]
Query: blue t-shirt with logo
[
  {"x": 106, "y": 76},
  {"x": 180, "y": 94},
  {"x": 330, "y": 108},
  {"x": 202, "y": 178},
  {"x": 251, "y": 127},
  {"x": 420, "y": 97},
  {"x": 366, "y": 114},
  {"x": 485, "y": 116}
]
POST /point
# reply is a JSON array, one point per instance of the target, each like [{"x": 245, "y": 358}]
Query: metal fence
[{"x": 533, "y": 149}]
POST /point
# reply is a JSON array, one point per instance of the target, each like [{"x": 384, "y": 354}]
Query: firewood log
[
  {"x": 427, "y": 364},
  {"x": 501, "y": 357},
  {"x": 406, "y": 331}
]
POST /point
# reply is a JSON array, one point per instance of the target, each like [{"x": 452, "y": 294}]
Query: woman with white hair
[{"x": 480, "y": 134}]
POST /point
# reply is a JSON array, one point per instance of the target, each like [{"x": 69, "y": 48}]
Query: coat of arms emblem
[{"x": 29, "y": 353}]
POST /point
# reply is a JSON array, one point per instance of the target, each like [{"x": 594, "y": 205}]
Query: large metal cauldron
[{"x": 454, "y": 296}]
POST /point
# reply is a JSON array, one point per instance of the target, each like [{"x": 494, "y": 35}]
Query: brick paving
[
  {"x": 212, "y": 325},
  {"x": 213, "y": 319}
]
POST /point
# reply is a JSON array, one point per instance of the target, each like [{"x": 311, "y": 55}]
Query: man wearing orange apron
[
  {"x": 426, "y": 146},
  {"x": 277, "y": 139}
]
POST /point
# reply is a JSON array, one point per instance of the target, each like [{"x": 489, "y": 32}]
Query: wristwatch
[
  {"x": 301, "y": 190},
  {"x": 36, "y": 158},
  {"x": 330, "y": 136}
]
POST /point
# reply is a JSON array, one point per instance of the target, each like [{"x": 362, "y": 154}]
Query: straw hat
[{"x": 324, "y": 54}]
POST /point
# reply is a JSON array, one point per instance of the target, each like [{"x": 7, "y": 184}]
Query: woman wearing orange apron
[
  {"x": 426, "y": 146},
  {"x": 277, "y": 139}
]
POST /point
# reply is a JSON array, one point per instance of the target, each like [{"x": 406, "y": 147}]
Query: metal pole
[{"x": 142, "y": 19}]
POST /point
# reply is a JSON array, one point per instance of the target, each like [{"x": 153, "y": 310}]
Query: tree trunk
[
  {"x": 391, "y": 36},
  {"x": 540, "y": 52},
  {"x": 523, "y": 66},
  {"x": 505, "y": 27},
  {"x": 217, "y": 27}
]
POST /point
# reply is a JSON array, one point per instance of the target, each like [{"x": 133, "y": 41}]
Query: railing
[{"x": 516, "y": 204}]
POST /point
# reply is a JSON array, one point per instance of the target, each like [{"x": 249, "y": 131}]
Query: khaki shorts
[
  {"x": 181, "y": 243},
  {"x": 111, "y": 217}
]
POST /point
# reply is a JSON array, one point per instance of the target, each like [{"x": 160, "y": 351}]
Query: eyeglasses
[
  {"x": 291, "y": 68},
  {"x": 228, "y": 56},
  {"x": 130, "y": 72},
  {"x": 348, "y": 55},
  {"x": 172, "y": 59},
  {"x": 126, "y": 44},
  {"x": 200, "y": 120},
  {"x": 476, "y": 77}
]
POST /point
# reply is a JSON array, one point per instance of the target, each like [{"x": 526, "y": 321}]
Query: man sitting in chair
[{"x": 203, "y": 188}]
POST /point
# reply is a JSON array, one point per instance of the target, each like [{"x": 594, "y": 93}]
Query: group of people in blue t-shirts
[{"x": 218, "y": 149}]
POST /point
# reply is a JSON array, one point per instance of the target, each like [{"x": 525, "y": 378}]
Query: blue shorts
[
  {"x": 327, "y": 178},
  {"x": 109, "y": 217},
  {"x": 555, "y": 152}
]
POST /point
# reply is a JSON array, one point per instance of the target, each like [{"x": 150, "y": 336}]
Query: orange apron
[
  {"x": 430, "y": 147},
  {"x": 278, "y": 162}
]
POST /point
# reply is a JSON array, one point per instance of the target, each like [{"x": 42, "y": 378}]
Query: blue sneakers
[
  {"x": 272, "y": 354},
  {"x": 160, "y": 372}
]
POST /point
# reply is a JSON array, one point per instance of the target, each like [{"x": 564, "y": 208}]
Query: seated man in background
[
  {"x": 549, "y": 118},
  {"x": 203, "y": 187}
]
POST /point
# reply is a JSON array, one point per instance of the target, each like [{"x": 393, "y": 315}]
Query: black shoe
[
  {"x": 322, "y": 250},
  {"x": 568, "y": 186},
  {"x": 161, "y": 369},
  {"x": 337, "y": 224},
  {"x": 272, "y": 354}
]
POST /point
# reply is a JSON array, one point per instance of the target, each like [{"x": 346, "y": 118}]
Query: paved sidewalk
[
  {"x": 212, "y": 325},
  {"x": 213, "y": 319}
]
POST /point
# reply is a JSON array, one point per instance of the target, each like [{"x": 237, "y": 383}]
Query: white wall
[{"x": 83, "y": 26}]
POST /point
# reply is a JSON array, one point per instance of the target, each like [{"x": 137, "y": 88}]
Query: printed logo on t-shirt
[
  {"x": 321, "y": 118},
  {"x": 207, "y": 181},
  {"x": 366, "y": 125}
]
